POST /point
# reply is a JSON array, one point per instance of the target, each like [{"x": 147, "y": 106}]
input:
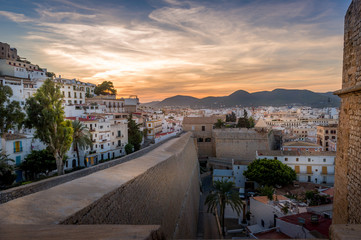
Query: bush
[{"x": 129, "y": 148}]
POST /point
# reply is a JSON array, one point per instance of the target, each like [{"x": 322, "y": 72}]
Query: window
[
  {"x": 309, "y": 160},
  {"x": 309, "y": 169},
  {"x": 275, "y": 158},
  {"x": 286, "y": 159},
  {"x": 208, "y": 140},
  {"x": 81, "y": 96},
  {"x": 69, "y": 94},
  {"x": 308, "y": 178},
  {"x": 297, "y": 169},
  {"x": 200, "y": 139},
  {"x": 119, "y": 143},
  {"x": 203, "y": 128},
  {"x": 18, "y": 147},
  {"x": 119, "y": 133},
  {"x": 324, "y": 160},
  {"x": 296, "y": 159},
  {"x": 75, "y": 94}
]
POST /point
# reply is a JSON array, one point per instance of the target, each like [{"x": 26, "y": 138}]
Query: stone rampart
[
  {"x": 159, "y": 188},
  {"x": 239, "y": 143},
  {"x": 348, "y": 160},
  {"x": 27, "y": 189}
]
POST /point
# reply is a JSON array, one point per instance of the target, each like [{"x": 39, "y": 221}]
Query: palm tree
[
  {"x": 81, "y": 138},
  {"x": 222, "y": 195},
  {"x": 219, "y": 124}
]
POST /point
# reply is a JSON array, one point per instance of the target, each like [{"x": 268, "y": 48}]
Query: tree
[
  {"x": 243, "y": 121},
  {"x": 266, "y": 191},
  {"x": 50, "y": 74},
  {"x": 7, "y": 177},
  {"x": 231, "y": 117},
  {"x": 11, "y": 115},
  {"x": 270, "y": 172},
  {"x": 38, "y": 162},
  {"x": 251, "y": 122},
  {"x": 81, "y": 138},
  {"x": 105, "y": 88},
  {"x": 46, "y": 114},
  {"x": 222, "y": 195},
  {"x": 135, "y": 136},
  {"x": 129, "y": 148},
  {"x": 219, "y": 124}
]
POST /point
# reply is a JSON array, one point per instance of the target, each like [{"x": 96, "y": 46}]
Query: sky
[{"x": 161, "y": 48}]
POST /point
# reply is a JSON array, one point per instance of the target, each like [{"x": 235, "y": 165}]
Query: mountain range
[{"x": 277, "y": 97}]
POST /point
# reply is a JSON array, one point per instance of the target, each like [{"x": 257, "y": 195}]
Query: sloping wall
[{"x": 159, "y": 188}]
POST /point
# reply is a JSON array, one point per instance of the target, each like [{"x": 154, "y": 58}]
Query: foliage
[
  {"x": 231, "y": 117},
  {"x": 145, "y": 133},
  {"x": 270, "y": 172},
  {"x": 105, "y": 88},
  {"x": 38, "y": 162},
  {"x": 285, "y": 209},
  {"x": 50, "y": 74},
  {"x": 6, "y": 170},
  {"x": 46, "y": 114},
  {"x": 135, "y": 136},
  {"x": 251, "y": 122},
  {"x": 245, "y": 122},
  {"x": 315, "y": 198},
  {"x": 81, "y": 138},
  {"x": 219, "y": 124},
  {"x": 10, "y": 111},
  {"x": 129, "y": 148},
  {"x": 266, "y": 191},
  {"x": 222, "y": 195},
  {"x": 88, "y": 95}
]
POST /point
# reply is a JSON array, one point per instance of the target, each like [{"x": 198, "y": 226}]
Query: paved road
[{"x": 207, "y": 225}]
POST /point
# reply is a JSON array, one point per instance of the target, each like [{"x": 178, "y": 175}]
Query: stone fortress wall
[
  {"x": 348, "y": 160},
  {"x": 159, "y": 188}
]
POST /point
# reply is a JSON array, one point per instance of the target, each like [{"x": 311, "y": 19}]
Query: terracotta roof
[
  {"x": 13, "y": 136},
  {"x": 322, "y": 226},
  {"x": 265, "y": 200},
  {"x": 300, "y": 144},
  {"x": 82, "y": 119},
  {"x": 329, "y": 191},
  {"x": 272, "y": 234}
]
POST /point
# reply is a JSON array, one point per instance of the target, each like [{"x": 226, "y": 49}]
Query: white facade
[
  {"x": 316, "y": 167},
  {"x": 109, "y": 134},
  {"x": 74, "y": 91}
]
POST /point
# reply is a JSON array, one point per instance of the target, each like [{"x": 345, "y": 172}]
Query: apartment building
[
  {"x": 109, "y": 134},
  {"x": 111, "y": 103},
  {"x": 153, "y": 127},
  {"x": 316, "y": 167},
  {"x": 324, "y": 133},
  {"x": 74, "y": 91},
  {"x": 6, "y": 52}
]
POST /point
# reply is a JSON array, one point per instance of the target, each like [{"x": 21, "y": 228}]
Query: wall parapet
[
  {"x": 13, "y": 193},
  {"x": 161, "y": 187}
]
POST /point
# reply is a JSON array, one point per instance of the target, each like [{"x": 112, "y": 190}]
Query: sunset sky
[{"x": 161, "y": 48}]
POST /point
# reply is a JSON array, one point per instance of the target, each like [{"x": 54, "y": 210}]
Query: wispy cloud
[{"x": 190, "y": 47}]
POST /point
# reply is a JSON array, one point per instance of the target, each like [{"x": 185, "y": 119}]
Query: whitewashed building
[{"x": 316, "y": 167}]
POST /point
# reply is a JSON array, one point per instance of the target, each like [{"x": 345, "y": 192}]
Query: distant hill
[
  {"x": 277, "y": 97},
  {"x": 150, "y": 104}
]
